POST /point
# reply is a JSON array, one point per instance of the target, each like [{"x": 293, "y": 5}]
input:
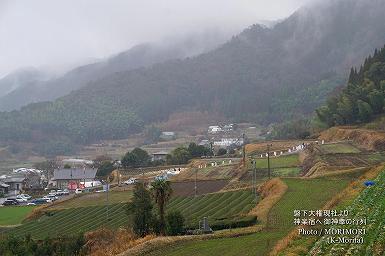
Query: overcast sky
[{"x": 58, "y": 34}]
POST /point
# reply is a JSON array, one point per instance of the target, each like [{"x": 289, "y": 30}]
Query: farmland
[
  {"x": 217, "y": 207},
  {"x": 278, "y": 162},
  {"x": 209, "y": 173},
  {"x": 281, "y": 166},
  {"x": 14, "y": 215},
  {"x": 339, "y": 148},
  {"x": 94, "y": 199},
  {"x": 302, "y": 194},
  {"x": 229, "y": 207},
  {"x": 187, "y": 188},
  {"x": 72, "y": 221}
]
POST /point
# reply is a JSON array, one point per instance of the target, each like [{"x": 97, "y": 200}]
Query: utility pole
[
  {"x": 268, "y": 160},
  {"x": 107, "y": 198},
  {"x": 244, "y": 150},
  {"x": 255, "y": 178},
  {"x": 195, "y": 187},
  {"x": 254, "y": 182}
]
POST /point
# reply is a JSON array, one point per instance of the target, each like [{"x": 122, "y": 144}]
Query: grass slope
[
  {"x": 371, "y": 205},
  {"x": 301, "y": 194},
  {"x": 13, "y": 215}
]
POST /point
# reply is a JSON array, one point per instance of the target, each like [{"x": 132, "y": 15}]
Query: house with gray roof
[
  {"x": 3, "y": 188},
  {"x": 15, "y": 184},
  {"x": 161, "y": 155},
  {"x": 72, "y": 178}
]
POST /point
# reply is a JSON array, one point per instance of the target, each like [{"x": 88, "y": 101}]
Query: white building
[
  {"x": 226, "y": 142},
  {"x": 214, "y": 129}
]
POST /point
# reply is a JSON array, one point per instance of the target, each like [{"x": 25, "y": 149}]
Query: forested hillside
[
  {"x": 362, "y": 98},
  {"x": 263, "y": 74},
  {"x": 23, "y": 89}
]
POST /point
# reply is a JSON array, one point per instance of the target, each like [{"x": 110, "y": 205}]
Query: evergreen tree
[
  {"x": 161, "y": 192},
  {"x": 364, "y": 111},
  {"x": 140, "y": 210}
]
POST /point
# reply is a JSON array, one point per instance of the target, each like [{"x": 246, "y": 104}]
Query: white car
[
  {"x": 28, "y": 197},
  {"x": 47, "y": 199},
  {"x": 78, "y": 191},
  {"x": 52, "y": 197},
  {"x": 130, "y": 181},
  {"x": 21, "y": 199}
]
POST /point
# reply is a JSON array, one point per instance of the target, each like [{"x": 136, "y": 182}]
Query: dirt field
[{"x": 203, "y": 187}]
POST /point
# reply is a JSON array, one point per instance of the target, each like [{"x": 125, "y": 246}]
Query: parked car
[
  {"x": 51, "y": 197},
  {"x": 130, "y": 181},
  {"x": 54, "y": 194},
  {"x": 21, "y": 199},
  {"x": 26, "y": 196},
  {"x": 39, "y": 201},
  {"x": 78, "y": 191},
  {"x": 8, "y": 202},
  {"x": 66, "y": 192}
]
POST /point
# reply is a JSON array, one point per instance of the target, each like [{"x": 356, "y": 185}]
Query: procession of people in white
[{"x": 289, "y": 151}]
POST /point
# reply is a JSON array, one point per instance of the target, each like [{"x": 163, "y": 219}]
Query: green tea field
[
  {"x": 302, "y": 194},
  {"x": 222, "y": 209}
]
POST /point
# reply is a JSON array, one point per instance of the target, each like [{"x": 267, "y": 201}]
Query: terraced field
[
  {"x": 282, "y": 166},
  {"x": 208, "y": 173},
  {"x": 302, "y": 194},
  {"x": 339, "y": 148},
  {"x": 353, "y": 160},
  {"x": 72, "y": 221},
  {"x": 221, "y": 209},
  {"x": 278, "y": 162},
  {"x": 94, "y": 199}
]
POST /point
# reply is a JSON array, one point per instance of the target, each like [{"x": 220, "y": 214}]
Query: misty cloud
[{"x": 56, "y": 35}]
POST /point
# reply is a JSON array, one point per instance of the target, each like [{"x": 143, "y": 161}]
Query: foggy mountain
[
  {"x": 263, "y": 74},
  {"x": 21, "y": 88},
  {"x": 20, "y": 78}
]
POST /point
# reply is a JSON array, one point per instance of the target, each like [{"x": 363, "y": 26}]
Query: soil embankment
[{"x": 364, "y": 138}]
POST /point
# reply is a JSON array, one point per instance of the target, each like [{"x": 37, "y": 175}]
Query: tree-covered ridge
[
  {"x": 362, "y": 98},
  {"x": 58, "y": 126}
]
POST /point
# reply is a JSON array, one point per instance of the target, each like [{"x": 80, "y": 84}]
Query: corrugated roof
[
  {"x": 13, "y": 179},
  {"x": 74, "y": 174},
  {"x": 3, "y": 185}
]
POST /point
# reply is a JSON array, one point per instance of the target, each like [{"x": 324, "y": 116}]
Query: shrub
[
  {"x": 11, "y": 245},
  {"x": 222, "y": 152},
  {"x": 174, "y": 223}
]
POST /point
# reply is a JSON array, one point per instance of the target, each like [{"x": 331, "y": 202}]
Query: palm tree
[{"x": 161, "y": 192}]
